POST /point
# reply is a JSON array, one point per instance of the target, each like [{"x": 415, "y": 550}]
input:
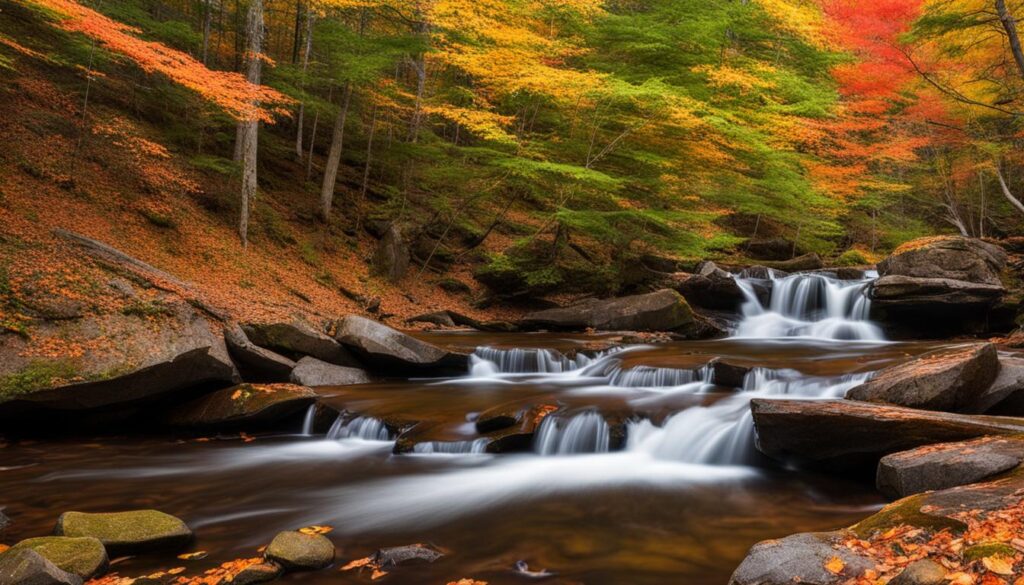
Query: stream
[{"x": 679, "y": 500}]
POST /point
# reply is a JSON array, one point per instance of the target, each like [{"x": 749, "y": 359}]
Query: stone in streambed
[
  {"x": 257, "y": 364},
  {"x": 298, "y": 339},
  {"x": 397, "y": 556},
  {"x": 728, "y": 375},
  {"x": 947, "y": 465},
  {"x": 313, "y": 372},
  {"x": 712, "y": 288},
  {"x": 664, "y": 310},
  {"x": 923, "y": 572},
  {"x": 127, "y": 532},
  {"x": 27, "y": 567},
  {"x": 245, "y": 404},
  {"x": 258, "y": 573},
  {"x": 392, "y": 351},
  {"x": 82, "y": 556},
  {"x": 801, "y": 558},
  {"x": 296, "y": 551}
]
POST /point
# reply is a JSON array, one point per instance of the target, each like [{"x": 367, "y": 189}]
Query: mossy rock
[
  {"x": 83, "y": 556},
  {"x": 297, "y": 551},
  {"x": 988, "y": 549},
  {"x": 127, "y": 532},
  {"x": 906, "y": 511}
]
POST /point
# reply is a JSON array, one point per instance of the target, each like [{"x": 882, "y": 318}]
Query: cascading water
[
  {"x": 451, "y": 447},
  {"x": 586, "y": 432},
  {"x": 524, "y": 361},
  {"x": 361, "y": 427},
  {"x": 308, "y": 420}
]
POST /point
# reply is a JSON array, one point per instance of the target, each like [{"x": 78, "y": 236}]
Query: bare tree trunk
[
  {"x": 366, "y": 169},
  {"x": 1010, "y": 26},
  {"x": 248, "y": 129},
  {"x": 310, "y": 16},
  {"x": 207, "y": 22},
  {"x": 334, "y": 156},
  {"x": 1005, "y": 188}
]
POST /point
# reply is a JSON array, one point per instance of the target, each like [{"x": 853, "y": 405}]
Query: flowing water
[{"x": 645, "y": 474}]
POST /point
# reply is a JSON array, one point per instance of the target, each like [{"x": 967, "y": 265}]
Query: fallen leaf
[
  {"x": 377, "y": 574},
  {"x": 357, "y": 563},
  {"x": 835, "y": 565},
  {"x": 316, "y": 529},
  {"x": 998, "y": 564},
  {"x": 194, "y": 556}
]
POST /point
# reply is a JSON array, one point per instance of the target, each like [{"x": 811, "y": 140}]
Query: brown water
[{"x": 610, "y": 518}]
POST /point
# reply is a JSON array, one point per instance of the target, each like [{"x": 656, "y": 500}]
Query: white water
[
  {"x": 361, "y": 427},
  {"x": 308, "y": 420},
  {"x": 586, "y": 432}
]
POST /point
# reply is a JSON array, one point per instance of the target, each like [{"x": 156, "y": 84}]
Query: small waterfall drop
[
  {"x": 308, "y": 420},
  {"x": 360, "y": 427},
  {"x": 527, "y": 361},
  {"x": 451, "y": 447},
  {"x": 585, "y": 432}
]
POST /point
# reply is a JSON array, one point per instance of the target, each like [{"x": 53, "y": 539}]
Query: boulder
[
  {"x": 947, "y": 257},
  {"x": 257, "y": 364},
  {"x": 801, "y": 558},
  {"x": 296, "y": 340},
  {"x": 83, "y": 556},
  {"x": 907, "y": 292},
  {"x": 949, "y": 379},
  {"x": 397, "y": 556},
  {"x": 1005, "y": 396},
  {"x": 664, "y": 310},
  {"x": 257, "y": 573},
  {"x": 244, "y": 405},
  {"x": 313, "y": 372},
  {"x": 850, "y": 435},
  {"x": 804, "y": 263},
  {"x": 27, "y": 567},
  {"x": 127, "y": 533},
  {"x": 439, "y": 318},
  {"x": 769, "y": 249},
  {"x": 391, "y": 258},
  {"x": 392, "y": 351},
  {"x": 296, "y": 551},
  {"x": 712, "y": 288},
  {"x": 936, "y": 467},
  {"x": 728, "y": 375},
  {"x": 923, "y": 572}
]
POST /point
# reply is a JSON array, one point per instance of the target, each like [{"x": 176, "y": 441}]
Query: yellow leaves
[
  {"x": 998, "y": 564},
  {"x": 194, "y": 556},
  {"x": 236, "y": 395},
  {"x": 801, "y": 17},
  {"x": 366, "y": 562},
  {"x": 484, "y": 124},
  {"x": 316, "y": 529},
  {"x": 835, "y": 565},
  {"x": 723, "y": 76},
  {"x": 960, "y": 578}
]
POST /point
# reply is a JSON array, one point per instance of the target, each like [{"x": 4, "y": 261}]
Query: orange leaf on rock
[
  {"x": 835, "y": 565},
  {"x": 316, "y": 529}
]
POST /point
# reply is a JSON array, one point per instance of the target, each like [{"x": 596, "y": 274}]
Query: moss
[
  {"x": 80, "y": 556},
  {"x": 159, "y": 220},
  {"x": 37, "y": 375},
  {"x": 310, "y": 255},
  {"x": 906, "y": 511},
  {"x": 988, "y": 549},
  {"x": 852, "y": 258}
]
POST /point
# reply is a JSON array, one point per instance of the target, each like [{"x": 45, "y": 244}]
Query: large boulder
[
  {"x": 257, "y": 364},
  {"x": 1005, "y": 396},
  {"x": 126, "y": 533},
  {"x": 664, "y": 310},
  {"x": 712, "y": 288},
  {"x": 313, "y": 372},
  {"x": 849, "y": 435},
  {"x": 948, "y": 379},
  {"x": 392, "y": 351},
  {"x": 296, "y": 340},
  {"x": 895, "y": 292},
  {"x": 85, "y": 556},
  {"x": 947, "y": 257},
  {"x": 298, "y": 551},
  {"x": 28, "y": 567},
  {"x": 391, "y": 258},
  {"x": 801, "y": 558},
  {"x": 936, "y": 467},
  {"x": 251, "y": 405}
]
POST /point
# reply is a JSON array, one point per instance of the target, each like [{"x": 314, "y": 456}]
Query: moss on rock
[
  {"x": 127, "y": 532},
  {"x": 82, "y": 556}
]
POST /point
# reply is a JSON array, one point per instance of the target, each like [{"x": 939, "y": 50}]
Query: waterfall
[
  {"x": 451, "y": 447},
  {"x": 809, "y": 305},
  {"x": 309, "y": 420},
  {"x": 585, "y": 432},
  {"x": 528, "y": 361},
  {"x": 360, "y": 427}
]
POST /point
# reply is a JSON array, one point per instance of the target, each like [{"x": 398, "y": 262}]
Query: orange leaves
[
  {"x": 194, "y": 556},
  {"x": 998, "y": 564},
  {"x": 835, "y": 565},
  {"x": 467, "y": 582},
  {"x": 228, "y": 90},
  {"x": 369, "y": 563},
  {"x": 311, "y": 530}
]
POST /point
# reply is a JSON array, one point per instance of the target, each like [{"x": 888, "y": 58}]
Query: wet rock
[
  {"x": 800, "y": 558},
  {"x": 392, "y": 351},
  {"x": 439, "y": 318},
  {"x": 947, "y": 379},
  {"x": 391, "y": 258},
  {"x": 4, "y": 521},
  {"x": 257, "y": 364},
  {"x": 898, "y": 292},
  {"x": 313, "y": 372},
  {"x": 258, "y": 573},
  {"x": 83, "y": 556},
  {"x": 27, "y": 567},
  {"x": 398, "y": 556},
  {"x": 947, "y": 465},
  {"x": 947, "y": 257},
  {"x": 664, "y": 310},
  {"x": 923, "y": 572},
  {"x": 850, "y": 435},
  {"x": 803, "y": 263},
  {"x": 728, "y": 375},
  {"x": 298, "y": 339},
  {"x": 848, "y": 273},
  {"x": 245, "y": 404},
  {"x": 296, "y": 551},
  {"x": 712, "y": 288},
  {"x": 124, "y": 533},
  {"x": 1005, "y": 396}
]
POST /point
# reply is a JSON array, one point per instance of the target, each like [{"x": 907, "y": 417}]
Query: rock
[
  {"x": 947, "y": 379},
  {"x": 296, "y": 340},
  {"x": 4, "y": 521},
  {"x": 27, "y": 567},
  {"x": 848, "y": 434},
  {"x": 256, "y": 364},
  {"x": 391, "y": 258},
  {"x": 397, "y": 556},
  {"x": 439, "y": 318},
  {"x": 800, "y": 558},
  {"x": 947, "y": 257},
  {"x": 936, "y": 467},
  {"x": 906, "y": 292},
  {"x": 769, "y": 249},
  {"x": 712, "y": 288},
  {"x": 803, "y": 263},
  {"x": 126, "y": 533},
  {"x": 83, "y": 556},
  {"x": 664, "y": 310},
  {"x": 454, "y": 286},
  {"x": 245, "y": 404},
  {"x": 849, "y": 273},
  {"x": 728, "y": 375},
  {"x": 313, "y": 372},
  {"x": 296, "y": 551},
  {"x": 258, "y": 573},
  {"x": 923, "y": 572},
  {"x": 393, "y": 351},
  {"x": 1005, "y": 396}
]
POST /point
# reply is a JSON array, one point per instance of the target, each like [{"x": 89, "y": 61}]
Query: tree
[{"x": 248, "y": 130}]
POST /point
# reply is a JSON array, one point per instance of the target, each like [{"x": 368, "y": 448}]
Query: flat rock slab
[
  {"x": 664, "y": 310},
  {"x": 28, "y": 567},
  {"x": 391, "y": 351},
  {"x": 397, "y": 556},
  {"x": 257, "y": 364},
  {"x": 313, "y": 372},
  {"x": 847, "y": 433},
  {"x": 948, "y": 379},
  {"x": 124, "y": 533},
  {"x": 83, "y": 556},
  {"x": 950, "y": 257},
  {"x": 947, "y": 465},
  {"x": 1006, "y": 394},
  {"x": 244, "y": 404},
  {"x": 800, "y": 558},
  {"x": 296, "y": 340},
  {"x": 296, "y": 551}
]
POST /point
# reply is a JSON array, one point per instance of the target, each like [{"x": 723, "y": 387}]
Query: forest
[{"x": 490, "y": 292}]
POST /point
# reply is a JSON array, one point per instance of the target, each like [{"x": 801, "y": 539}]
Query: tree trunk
[
  {"x": 1010, "y": 26},
  {"x": 366, "y": 169},
  {"x": 207, "y": 22},
  {"x": 246, "y": 144},
  {"x": 310, "y": 16},
  {"x": 1005, "y": 188},
  {"x": 334, "y": 156}
]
